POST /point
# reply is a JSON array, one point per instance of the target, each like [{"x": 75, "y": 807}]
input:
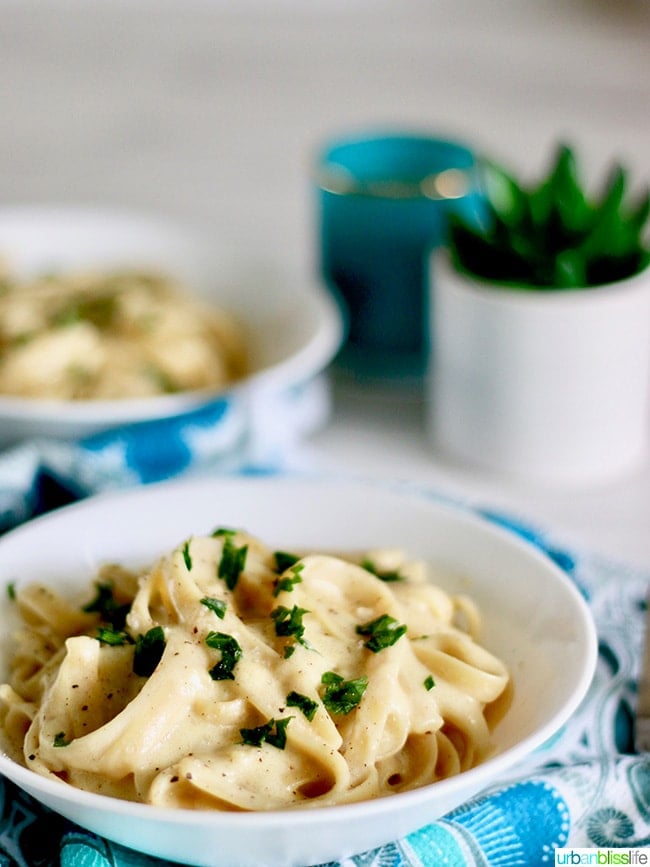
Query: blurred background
[{"x": 211, "y": 110}]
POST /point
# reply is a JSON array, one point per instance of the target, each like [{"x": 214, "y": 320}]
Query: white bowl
[
  {"x": 294, "y": 329},
  {"x": 534, "y": 619}
]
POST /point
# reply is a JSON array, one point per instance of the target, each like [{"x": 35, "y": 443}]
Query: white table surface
[{"x": 211, "y": 111}]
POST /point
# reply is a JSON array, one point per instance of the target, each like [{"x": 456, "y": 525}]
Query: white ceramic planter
[{"x": 552, "y": 387}]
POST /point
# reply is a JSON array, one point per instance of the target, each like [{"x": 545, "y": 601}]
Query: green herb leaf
[
  {"x": 113, "y": 637},
  {"x": 274, "y": 732},
  {"x": 255, "y": 737},
  {"x": 230, "y": 655},
  {"x": 107, "y": 607},
  {"x": 306, "y": 705},
  {"x": 342, "y": 696},
  {"x": 288, "y": 622},
  {"x": 187, "y": 557},
  {"x": 162, "y": 379},
  {"x": 278, "y": 738},
  {"x": 216, "y": 605},
  {"x": 382, "y": 632},
  {"x": 11, "y": 591},
  {"x": 149, "y": 649},
  {"x": 391, "y": 575},
  {"x": 99, "y": 310},
  {"x": 284, "y": 560},
  {"x": 288, "y": 582},
  {"x": 60, "y": 740},
  {"x": 233, "y": 560},
  {"x": 429, "y": 683}
]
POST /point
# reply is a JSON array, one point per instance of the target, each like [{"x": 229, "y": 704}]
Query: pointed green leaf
[
  {"x": 614, "y": 192},
  {"x": 504, "y": 194},
  {"x": 570, "y": 271},
  {"x": 552, "y": 234}
]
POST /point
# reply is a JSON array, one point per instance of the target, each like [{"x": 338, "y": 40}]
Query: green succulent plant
[{"x": 552, "y": 235}]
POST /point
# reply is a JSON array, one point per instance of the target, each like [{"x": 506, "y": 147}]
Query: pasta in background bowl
[
  {"x": 534, "y": 630},
  {"x": 288, "y": 329}
]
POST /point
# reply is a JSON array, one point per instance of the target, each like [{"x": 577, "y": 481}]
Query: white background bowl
[
  {"x": 293, "y": 329},
  {"x": 534, "y": 619}
]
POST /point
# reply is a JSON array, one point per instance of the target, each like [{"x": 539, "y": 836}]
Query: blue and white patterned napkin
[
  {"x": 240, "y": 433},
  {"x": 586, "y": 788}
]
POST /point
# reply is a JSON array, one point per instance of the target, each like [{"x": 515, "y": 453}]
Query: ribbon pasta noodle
[
  {"x": 112, "y": 335},
  {"x": 231, "y": 676}
]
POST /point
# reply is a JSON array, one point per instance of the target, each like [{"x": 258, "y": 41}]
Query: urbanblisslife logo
[{"x": 602, "y": 856}]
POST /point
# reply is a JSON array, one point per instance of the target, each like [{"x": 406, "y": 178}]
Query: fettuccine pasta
[
  {"x": 232, "y": 676},
  {"x": 112, "y": 335}
]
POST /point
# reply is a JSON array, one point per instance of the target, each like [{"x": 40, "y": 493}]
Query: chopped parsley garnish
[
  {"x": 382, "y": 632},
  {"x": 60, "y": 740},
  {"x": 100, "y": 311},
  {"x": 113, "y": 637},
  {"x": 306, "y": 705},
  {"x": 161, "y": 378},
  {"x": 233, "y": 560},
  {"x": 187, "y": 557},
  {"x": 230, "y": 655},
  {"x": 288, "y": 623},
  {"x": 223, "y": 531},
  {"x": 216, "y": 605},
  {"x": 273, "y": 732},
  {"x": 149, "y": 649},
  {"x": 288, "y": 582},
  {"x": 429, "y": 683},
  {"x": 389, "y": 575},
  {"x": 107, "y": 607},
  {"x": 284, "y": 560},
  {"x": 341, "y": 696},
  {"x": 11, "y": 591}
]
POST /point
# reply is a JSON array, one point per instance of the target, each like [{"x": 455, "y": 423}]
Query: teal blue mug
[{"x": 384, "y": 205}]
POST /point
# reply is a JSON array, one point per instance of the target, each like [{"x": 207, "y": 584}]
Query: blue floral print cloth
[
  {"x": 586, "y": 788},
  {"x": 243, "y": 432}
]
